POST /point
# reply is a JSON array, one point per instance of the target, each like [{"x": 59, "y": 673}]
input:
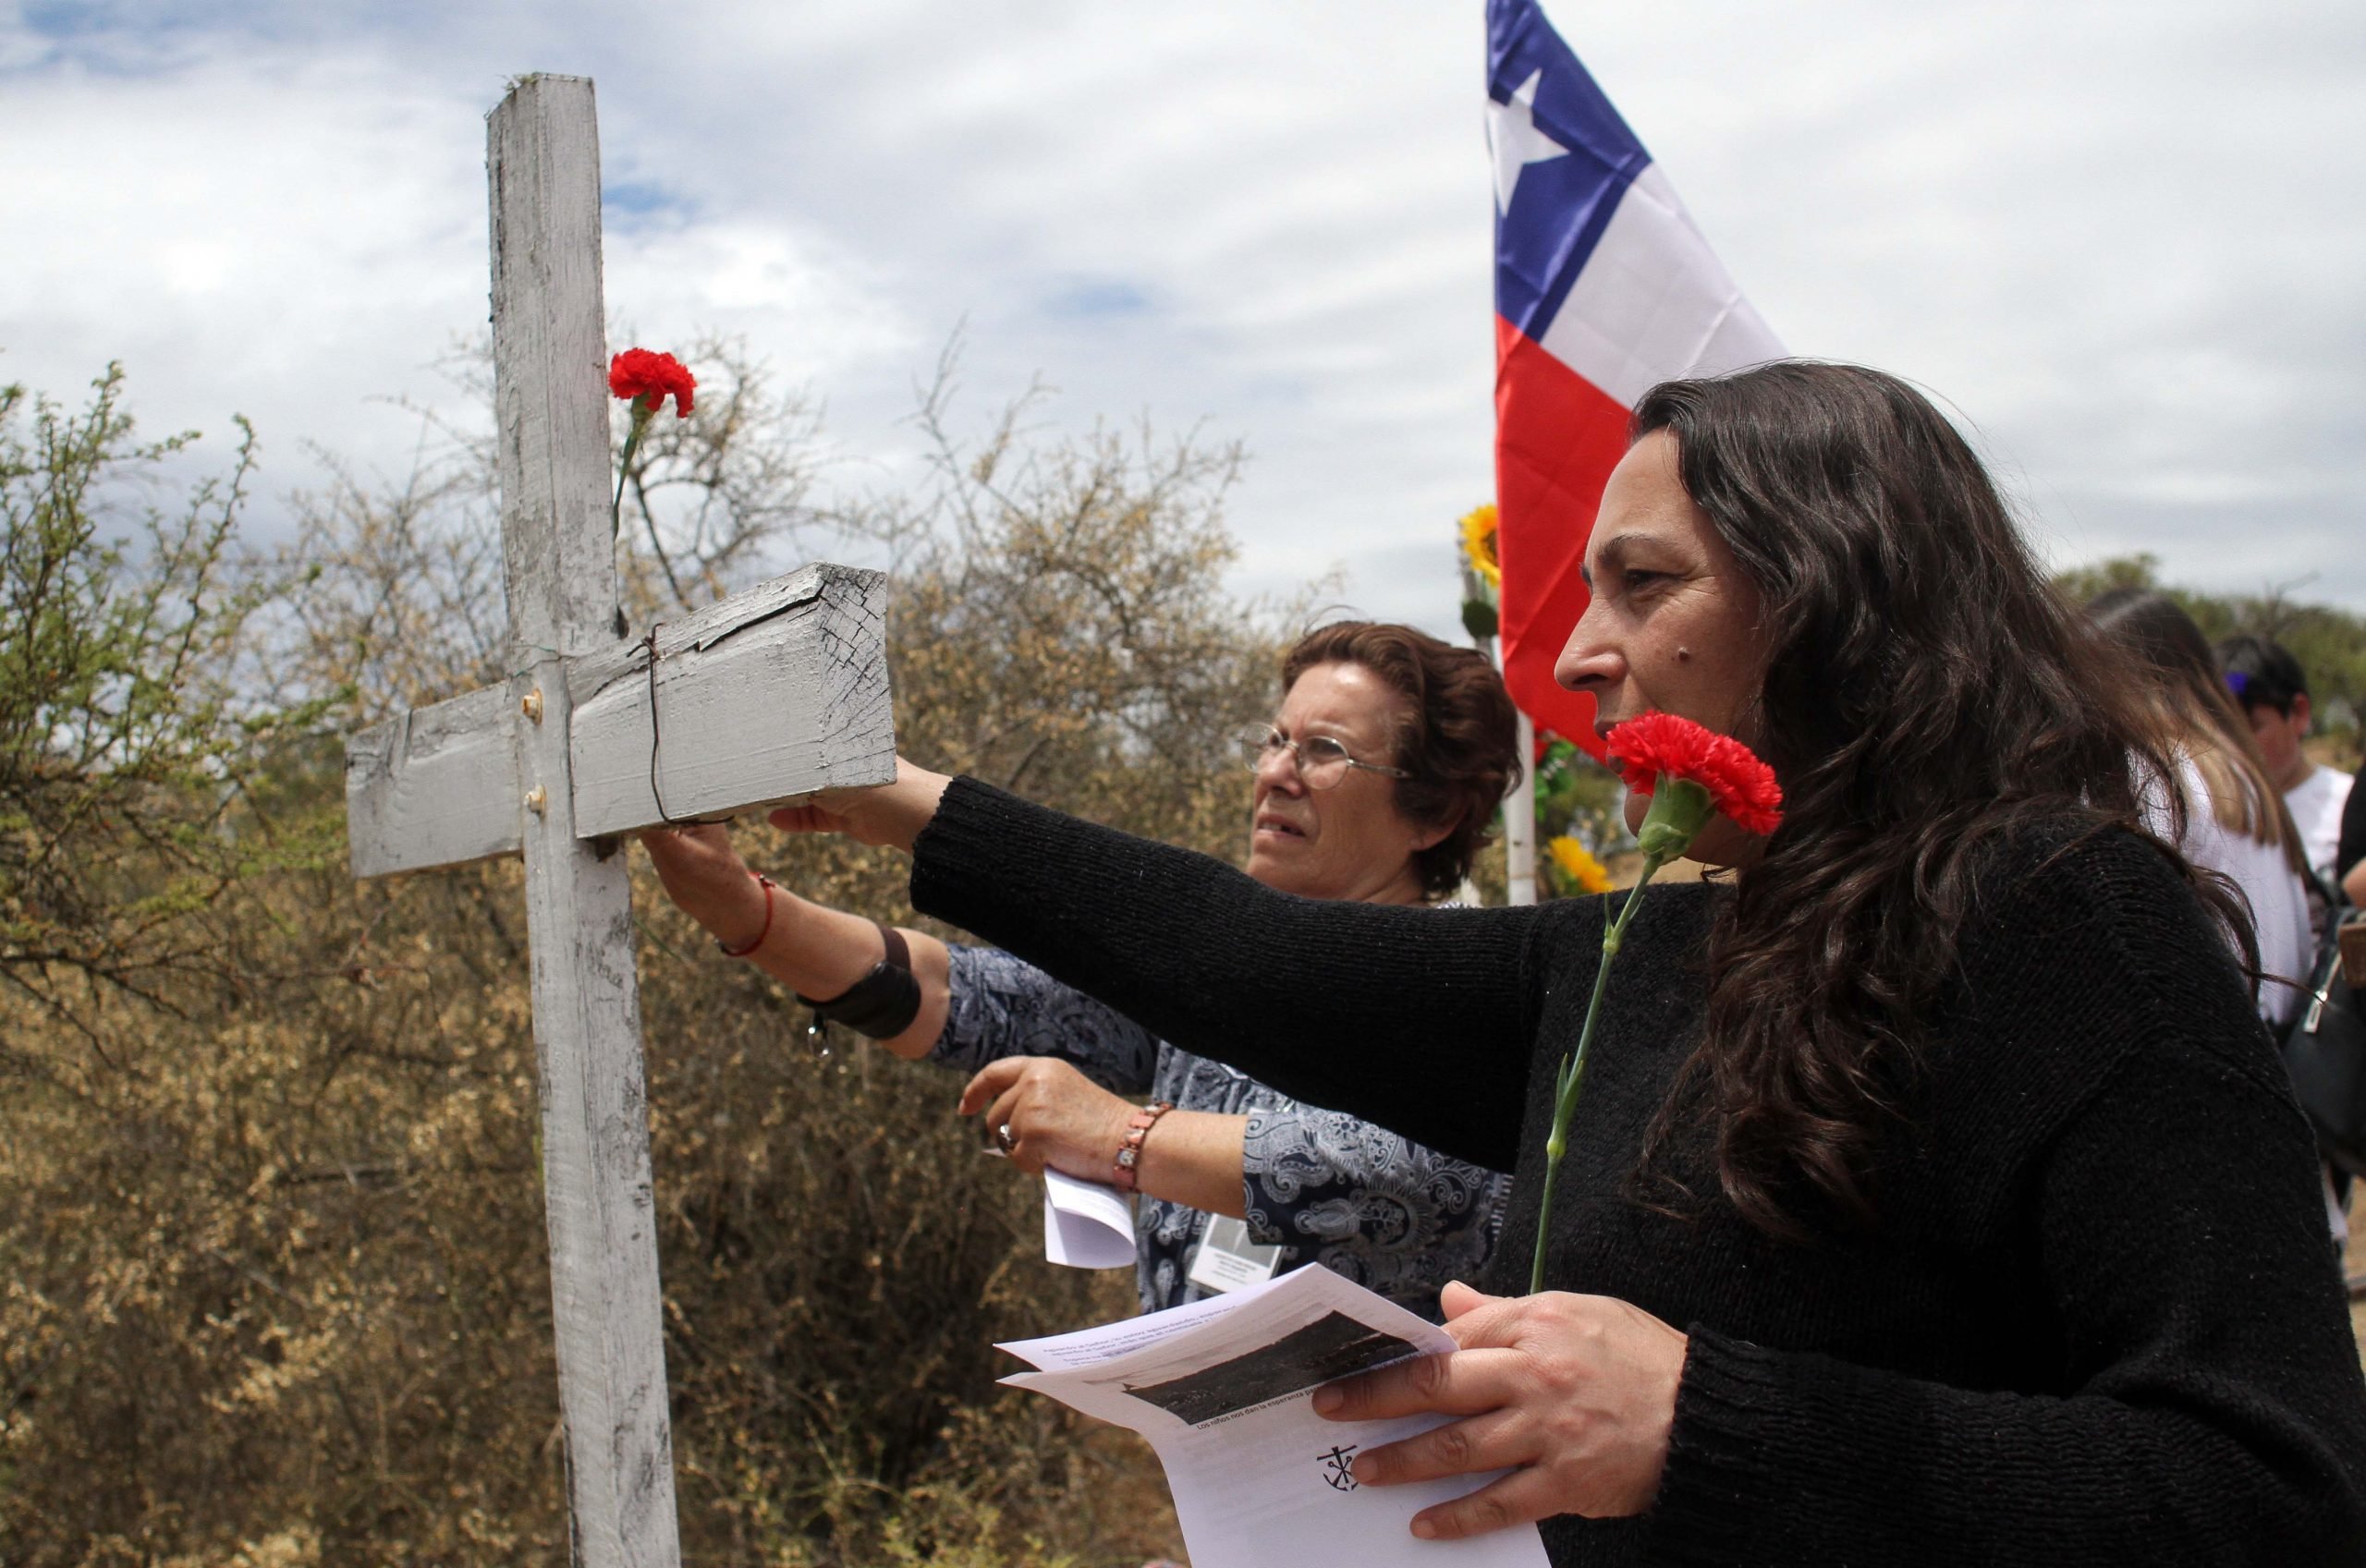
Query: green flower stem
[
  {"x": 1679, "y": 809},
  {"x": 1573, "y": 1067},
  {"x": 641, "y": 411}
]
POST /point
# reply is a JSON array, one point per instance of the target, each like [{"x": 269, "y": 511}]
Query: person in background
[
  {"x": 2268, "y": 682},
  {"x": 1376, "y": 783},
  {"x": 2233, "y": 820},
  {"x": 2229, "y": 817}
]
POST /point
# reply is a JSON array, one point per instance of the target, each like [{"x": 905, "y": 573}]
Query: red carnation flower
[
  {"x": 638, "y": 372},
  {"x": 1652, "y": 746}
]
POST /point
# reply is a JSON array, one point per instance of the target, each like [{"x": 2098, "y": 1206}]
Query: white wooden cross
[{"x": 769, "y": 695}]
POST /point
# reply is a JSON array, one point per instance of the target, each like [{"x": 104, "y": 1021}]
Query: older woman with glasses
[{"x": 1376, "y": 783}]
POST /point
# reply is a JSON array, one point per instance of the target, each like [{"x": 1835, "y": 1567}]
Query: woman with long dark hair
[
  {"x": 1936, "y": 1196},
  {"x": 2222, "y": 808}
]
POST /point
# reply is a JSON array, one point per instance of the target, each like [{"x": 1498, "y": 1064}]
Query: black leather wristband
[{"x": 883, "y": 1002}]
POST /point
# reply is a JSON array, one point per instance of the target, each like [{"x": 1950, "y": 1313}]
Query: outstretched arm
[
  {"x": 811, "y": 948},
  {"x": 1341, "y": 1004},
  {"x": 1338, "y": 1005},
  {"x": 1002, "y": 1006},
  {"x": 887, "y": 816}
]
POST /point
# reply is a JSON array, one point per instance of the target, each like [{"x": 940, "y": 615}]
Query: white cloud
[
  {"x": 286, "y": 248},
  {"x": 2121, "y": 237},
  {"x": 769, "y": 283}
]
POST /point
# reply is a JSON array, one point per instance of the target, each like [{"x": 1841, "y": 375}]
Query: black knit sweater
[{"x": 2098, "y": 1322}]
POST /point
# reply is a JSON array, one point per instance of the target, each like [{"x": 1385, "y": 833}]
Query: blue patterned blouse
[{"x": 1323, "y": 1187}]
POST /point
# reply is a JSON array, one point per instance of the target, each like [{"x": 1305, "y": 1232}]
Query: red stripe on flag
[{"x": 1556, "y": 439}]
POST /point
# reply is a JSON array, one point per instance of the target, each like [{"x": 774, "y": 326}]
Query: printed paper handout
[
  {"x": 1086, "y": 1225},
  {"x": 1223, "y": 1390}
]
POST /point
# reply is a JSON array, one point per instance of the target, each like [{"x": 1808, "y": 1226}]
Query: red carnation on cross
[
  {"x": 1652, "y": 746},
  {"x": 648, "y": 378},
  {"x": 640, "y": 373}
]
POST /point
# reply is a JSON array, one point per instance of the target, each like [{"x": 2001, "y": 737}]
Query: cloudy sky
[{"x": 2122, "y": 238}]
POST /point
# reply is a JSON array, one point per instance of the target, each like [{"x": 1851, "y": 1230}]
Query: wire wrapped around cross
[
  {"x": 648, "y": 662},
  {"x": 648, "y": 646}
]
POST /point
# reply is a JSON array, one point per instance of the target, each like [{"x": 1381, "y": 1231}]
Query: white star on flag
[{"x": 1513, "y": 137}]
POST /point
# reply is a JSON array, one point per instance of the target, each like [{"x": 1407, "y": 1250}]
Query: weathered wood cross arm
[{"x": 772, "y": 694}]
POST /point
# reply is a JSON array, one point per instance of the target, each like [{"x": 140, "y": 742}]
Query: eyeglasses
[{"x": 1322, "y": 761}]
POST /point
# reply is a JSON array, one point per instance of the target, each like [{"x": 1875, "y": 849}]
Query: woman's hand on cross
[
  {"x": 702, "y": 872},
  {"x": 888, "y": 814}
]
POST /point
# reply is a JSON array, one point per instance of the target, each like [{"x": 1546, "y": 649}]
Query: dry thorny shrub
[{"x": 275, "y": 1290}]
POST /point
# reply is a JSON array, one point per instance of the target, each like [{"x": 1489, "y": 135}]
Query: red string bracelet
[{"x": 766, "y": 930}]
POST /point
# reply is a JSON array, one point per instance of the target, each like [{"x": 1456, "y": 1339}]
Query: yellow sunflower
[
  {"x": 1479, "y": 544},
  {"x": 1579, "y": 866}
]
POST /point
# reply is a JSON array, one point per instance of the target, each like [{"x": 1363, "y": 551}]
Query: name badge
[{"x": 1226, "y": 1259}]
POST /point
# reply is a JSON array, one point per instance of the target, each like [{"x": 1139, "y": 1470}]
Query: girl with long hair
[{"x": 2228, "y": 818}]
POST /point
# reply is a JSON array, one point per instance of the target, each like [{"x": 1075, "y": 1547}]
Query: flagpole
[
  {"x": 1520, "y": 822},
  {"x": 1479, "y": 618}
]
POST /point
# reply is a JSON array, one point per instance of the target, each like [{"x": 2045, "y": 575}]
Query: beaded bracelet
[{"x": 1126, "y": 1172}]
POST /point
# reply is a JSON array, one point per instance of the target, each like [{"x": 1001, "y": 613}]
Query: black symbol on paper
[{"x": 1338, "y": 1474}]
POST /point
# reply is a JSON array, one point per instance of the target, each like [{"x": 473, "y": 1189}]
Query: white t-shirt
[
  {"x": 2315, "y": 803},
  {"x": 2279, "y": 904}
]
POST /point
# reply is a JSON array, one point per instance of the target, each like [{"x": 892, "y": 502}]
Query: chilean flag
[{"x": 1603, "y": 289}]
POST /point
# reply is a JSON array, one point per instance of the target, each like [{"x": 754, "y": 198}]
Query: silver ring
[{"x": 1002, "y": 1136}]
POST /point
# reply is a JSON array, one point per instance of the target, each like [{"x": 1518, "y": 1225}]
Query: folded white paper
[
  {"x": 1224, "y": 1390},
  {"x": 1086, "y": 1225}
]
